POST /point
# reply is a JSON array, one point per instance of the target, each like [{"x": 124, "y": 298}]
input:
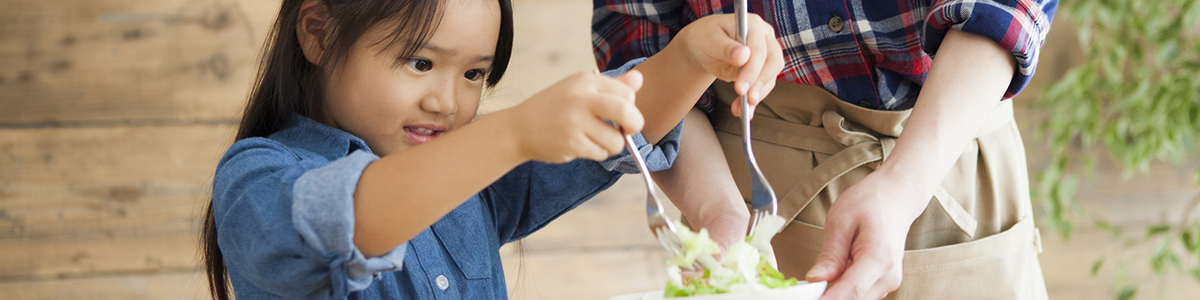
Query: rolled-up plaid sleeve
[
  {"x": 1020, "y": 26},
  {"x": 625, "y": 30},
  {"x": 628, "y": 31}
]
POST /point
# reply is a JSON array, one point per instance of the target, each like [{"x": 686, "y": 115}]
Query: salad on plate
[{"x": 744, "y": 269}]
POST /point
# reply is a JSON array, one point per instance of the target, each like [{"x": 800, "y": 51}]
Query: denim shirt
[{"x": 284, "y": 211}]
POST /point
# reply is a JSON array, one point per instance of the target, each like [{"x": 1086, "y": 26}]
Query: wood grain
[
  {"x": 159, "y": 286},
  {"x": 119, "y": 61},
  {"x": 80, "y": 200}
]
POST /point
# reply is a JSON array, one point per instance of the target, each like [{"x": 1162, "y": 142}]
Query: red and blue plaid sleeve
[
  {"x": 624, "y": 30},
  {"x": 1020, "y": 26}
]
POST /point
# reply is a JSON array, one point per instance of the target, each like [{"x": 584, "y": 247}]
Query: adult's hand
[
  {"x": 863, "y": 244},
  {"x": 712, "y": 44}
]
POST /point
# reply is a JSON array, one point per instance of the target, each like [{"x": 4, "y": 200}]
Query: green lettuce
[{"x": 743, "y": 268}]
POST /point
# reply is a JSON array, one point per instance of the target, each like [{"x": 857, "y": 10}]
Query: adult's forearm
[
  {"x": 969, "y": 76},
  {"x": 699, "y": 183}
]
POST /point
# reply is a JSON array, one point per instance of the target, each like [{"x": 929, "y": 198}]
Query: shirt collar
[{"x": 304, "y": 133}]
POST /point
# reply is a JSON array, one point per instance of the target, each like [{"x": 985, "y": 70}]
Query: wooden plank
[
  {"x": 75, "y": 201},
  {"x": 157, "y": 286},
  {"x": 42, "y": 261},
  {"x": 584, "y": 274},
  {"x": 127, "y": 61},
  {"x": 81, "y": 157}
]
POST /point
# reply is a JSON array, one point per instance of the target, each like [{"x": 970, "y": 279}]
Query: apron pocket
[{"x": 1000, "y": 266}]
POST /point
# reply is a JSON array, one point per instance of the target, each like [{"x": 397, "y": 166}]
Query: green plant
[{"x": 1138, "y": 96}]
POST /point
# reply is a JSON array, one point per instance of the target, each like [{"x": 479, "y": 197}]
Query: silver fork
[
  {"x": 762, "y": 197},
  {"x": 660, "y": 224}
]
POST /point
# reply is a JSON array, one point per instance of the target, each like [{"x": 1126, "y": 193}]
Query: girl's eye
[
  {"x": 421, "y": 65},
  {"x": 473, "y": 75}
]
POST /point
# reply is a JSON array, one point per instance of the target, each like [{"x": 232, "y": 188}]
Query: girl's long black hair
[{"x": 289, "y": 84}]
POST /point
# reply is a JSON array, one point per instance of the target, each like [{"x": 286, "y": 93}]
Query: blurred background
[{"x": 113, "y": 114}]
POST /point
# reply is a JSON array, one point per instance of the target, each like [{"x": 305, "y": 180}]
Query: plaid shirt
[{"x": 873, "y": 53}]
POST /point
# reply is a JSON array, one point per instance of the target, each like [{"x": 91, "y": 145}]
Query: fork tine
[
  {"x": 673, "y": 240},
  {"x": 658, "y": 234}
]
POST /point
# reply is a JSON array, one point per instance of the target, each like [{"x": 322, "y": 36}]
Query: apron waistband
[{"x": 810, "y": 118}]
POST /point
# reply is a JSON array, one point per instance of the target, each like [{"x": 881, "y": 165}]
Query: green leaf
[
  {"x": 672, "y": 291},
  {"x": 1168, "y": 52},
  {"x": 772, "y": 278},
  {"x": 1160, "y": 257},
  {"x": 1190, "y": 241},
  {"x": 1157, "y": 230},
  {"x": 1173, "y": 261},
  {"x": 1096, "y": 266},
  {"x": 1109, "y": 227},
  {"x": 1127, "y": 293}
]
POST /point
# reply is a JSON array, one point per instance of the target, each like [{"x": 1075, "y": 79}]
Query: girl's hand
[
  {"x": 567, "y": 120},
  {"x": 865, "y": 231},
  {"x": 712, "y": 43}
]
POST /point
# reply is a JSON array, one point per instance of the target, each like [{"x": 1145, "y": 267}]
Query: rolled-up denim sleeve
[
  {"x": 658, "y": 156},
  {"x": 285, "y": 224},
  {"x": 323, "y": 213}
]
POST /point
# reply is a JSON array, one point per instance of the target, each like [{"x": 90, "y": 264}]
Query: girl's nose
[{"x": 440, "y": 99}]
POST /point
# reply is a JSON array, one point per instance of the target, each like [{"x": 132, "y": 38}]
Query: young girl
[{"x": 358, "y": 172}]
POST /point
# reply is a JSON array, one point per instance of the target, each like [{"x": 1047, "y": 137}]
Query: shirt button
[
  {"x": 836, "y": 24},
  {"x": 442, "y": 282}
]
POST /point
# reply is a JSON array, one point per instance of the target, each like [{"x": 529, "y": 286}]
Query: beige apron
[{"x": 975, "y": 240}]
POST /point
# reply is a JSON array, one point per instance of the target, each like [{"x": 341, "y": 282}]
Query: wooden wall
[{"x": 113, "y": 114}]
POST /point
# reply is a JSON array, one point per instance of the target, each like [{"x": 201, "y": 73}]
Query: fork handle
[
  {"x": 656, "y": 206},
  {"x": 743, "y": 28},
  {"x": 637, "y": 155},
  {"x": 739, "y": 9}
]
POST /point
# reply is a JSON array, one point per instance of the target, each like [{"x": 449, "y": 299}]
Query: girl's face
[{"x": 438, "y": 90}]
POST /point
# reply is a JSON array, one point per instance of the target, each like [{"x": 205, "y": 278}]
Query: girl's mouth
[{"x": 423, "y": 133}]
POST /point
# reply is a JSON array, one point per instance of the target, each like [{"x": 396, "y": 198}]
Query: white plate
[{"x": 802, "y": 291}]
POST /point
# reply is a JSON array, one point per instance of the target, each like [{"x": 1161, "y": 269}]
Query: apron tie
[
  {"x": 863, "y": 149},
  {"x": 851, "y": 147}
]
